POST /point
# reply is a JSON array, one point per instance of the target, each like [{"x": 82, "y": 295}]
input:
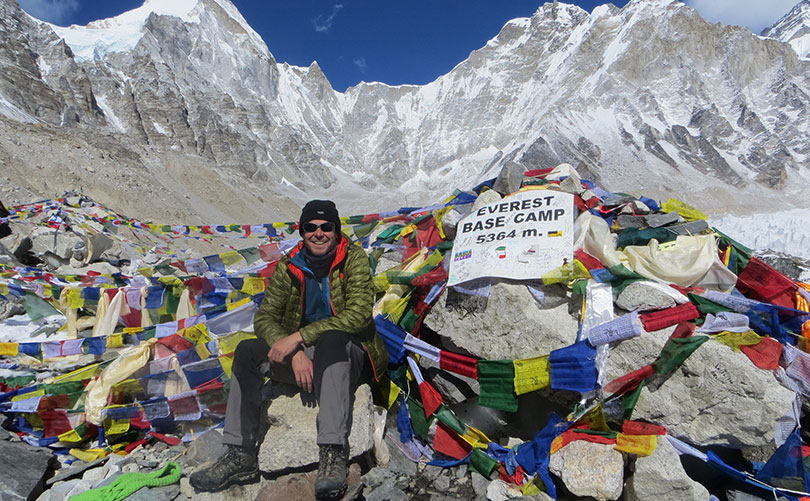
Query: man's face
[{"x": 319, "y": 242}]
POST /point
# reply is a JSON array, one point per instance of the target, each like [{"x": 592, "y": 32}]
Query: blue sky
[{"x": 396, "y": 42}]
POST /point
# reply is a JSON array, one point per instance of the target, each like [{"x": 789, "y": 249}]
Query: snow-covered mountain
[
  {"x": 182, "y": 103},
  {"x": 793, "y": 28}
]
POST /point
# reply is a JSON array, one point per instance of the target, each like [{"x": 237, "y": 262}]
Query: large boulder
[
  {"x": 509, "y": 324},
  {"x": 717, "y": 397},
  {"x": 661, "y": 476},
  {"x": 589, "y": 470},
  {"x": 23, "y": 468},
  {"x": 290, "y": 440}
]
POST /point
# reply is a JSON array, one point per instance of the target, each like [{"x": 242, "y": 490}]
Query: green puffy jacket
[{"x": 351, "y": 295}]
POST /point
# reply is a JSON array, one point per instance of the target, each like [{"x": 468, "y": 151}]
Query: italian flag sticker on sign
[{"x": 501, "y": 252}]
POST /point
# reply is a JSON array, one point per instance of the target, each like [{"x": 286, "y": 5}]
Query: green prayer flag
[
  {"x": 636, "y": 236},
  {"x": 399, "y": 376},
  {"x": 608, "y": 434},
  {"x": 250, "y": 255},
  {"x": 36, "y": 307},
  {"x": 630, "y": 399},
  {"x": 364, "y": 230},
  {"x": 419, "y": 422},
  {"x": 449, "y": 418},
  {"x": 496, "y": 379},
  {"x": 705, "y": 306},
  {"x": 481, "y": 463},
  {"x": 624, "y": 277},
  {"x": 390, "y": 234},
  {"x": 408, "y": 320},
  {"x": 675, "y": 353}
]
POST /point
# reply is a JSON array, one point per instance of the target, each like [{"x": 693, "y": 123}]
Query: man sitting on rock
[{"x": 314, "y": 327}]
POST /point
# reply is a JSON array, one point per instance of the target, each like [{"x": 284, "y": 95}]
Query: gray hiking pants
[{"x": 340, "y": 364}]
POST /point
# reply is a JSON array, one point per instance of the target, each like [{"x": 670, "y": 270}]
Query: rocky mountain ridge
[{"x": 192, "y": 112}]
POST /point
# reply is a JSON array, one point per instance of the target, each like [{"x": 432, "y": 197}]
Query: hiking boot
[
  {"x": 332, "y": 472},
  {"x": 237, "y": 465}
]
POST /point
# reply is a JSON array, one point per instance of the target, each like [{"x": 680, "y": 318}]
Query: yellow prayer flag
[
  {"x": 4, "y": 289},
  {"x": 595, "y": 419},
  {"x": 228, "y": 343},
  {"x": 476, "y": 438},
  {"x": 202, "y": 351},
  {"x": 737, "y": 339},
  {"x": 197, "y": 334},
  {"x": 132, "y": 330},
  {"x": 381, "y": 283},
  {"x": 641, "y": 445},
  {"x": 227, "y": 363},
  {"x": 395, "y": 307},
  {"x": 115, "y": 340},
  {"x": 406, "y": 230},
  {"x": 389, "y": 389},
  {"x": 26, "y": 396},
  {"x": 88, "y": 455},
  {"x": 116, "y": 426},
  {"x": 79, "y": 374},
  {"x": 70, "y": 436},
  {"x": 9, "y": 349},
  {"x": 74, "y": 298},
  {"x": 253, "y": 285},
  {"x": 279, "y": 225},
  {"x": 438, "y": 215},
  {"x": 237, "y": 304},
  {"x": 531, "y": 374},
  {"x": 532, "y": 488},
  {"x": 145, "y": 271},
  {"x": 230, "y": 258},
  {"x": 686, "y": 211}
]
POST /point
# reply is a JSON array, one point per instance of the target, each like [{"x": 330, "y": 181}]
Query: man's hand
[
  {"x": 302, "y": 368},
  {"x": 285, "y": 347}
]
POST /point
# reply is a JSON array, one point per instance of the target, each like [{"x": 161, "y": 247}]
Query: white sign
[{"x": 520, "y": 237}]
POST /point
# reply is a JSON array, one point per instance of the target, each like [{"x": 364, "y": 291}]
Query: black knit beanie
[{"x": 319, "y": 209}]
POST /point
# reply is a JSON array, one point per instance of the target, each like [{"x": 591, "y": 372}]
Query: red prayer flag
[
  {"x": 662, "y": 319},
  {"x": 450, "y": 443},
  {"x": 629, "y": 382},
  {"x": 165, "y": 438},
  {"x": 460, "y": 364},
  {"x": 590, "y": 262},
  {"x": 56, "y": 422},
  {"x": 762, "y": 282},
  {"x": 175, "y": 343},
  {"x": 431, "y": 400},
  {"x": 642, "y": 428},
  {"x": 684, "y": 329},
  {"x": 765, "y": 354}
]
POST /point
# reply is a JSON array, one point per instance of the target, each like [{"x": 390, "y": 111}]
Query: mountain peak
[{"x": 793, "y": 28}]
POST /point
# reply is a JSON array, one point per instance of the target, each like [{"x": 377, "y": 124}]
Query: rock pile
[{"x": 623, "y": 374}]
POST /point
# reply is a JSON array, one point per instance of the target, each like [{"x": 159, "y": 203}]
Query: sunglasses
[{"x": 312, "y": 227}]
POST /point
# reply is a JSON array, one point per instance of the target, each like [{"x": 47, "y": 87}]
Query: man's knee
[
  {"x": 250, "y": 352},
  {"x": 331, "y": 347}
]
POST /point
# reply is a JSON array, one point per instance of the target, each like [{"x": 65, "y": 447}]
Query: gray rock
[
  {"x": 662, "y": 219},
  {"x": 10, "y": 307},
  {"x": 510, "y": 179},
  {"x": 479, "y": 484},
  {"x": 290, "y": 440},
  {"x": 512, "y": 325},
  {"x": 388, "y": 491},
  {"x": 376, "y": 476},
  {"x": 661, "y": 476},
  {"x": 641, "y": 296},
  {"x": 625, "y": 221},
  {"x": 399, "y": 464},
  {"x": 23, "y": 468},
  {"x": 486, "y": 197},
  {"x": 206, "y": 447},
  {"x": 717, "y": 397},
  {"x": 442, "y": 483},
  {"x": 165, "y": 493},
  {"x": 589, "y": 470},
  {"x": 76, "y": 468}
]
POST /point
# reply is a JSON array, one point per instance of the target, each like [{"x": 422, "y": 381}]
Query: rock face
[
  {"x": 661, "y": 476},
  {"x": 191, "y": 108},
  {"x": 23, "y": 468},
  {"x": 511, "y": 325},
  {"x": 290, "y": 441},
  {"x": 589, "y": 470},
  {"x": 717, "y": 397}
]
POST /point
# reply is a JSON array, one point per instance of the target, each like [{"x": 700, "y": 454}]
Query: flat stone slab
[{"x": 290, "y": 440}]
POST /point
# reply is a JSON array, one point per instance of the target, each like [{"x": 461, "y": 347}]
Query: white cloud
[
  {"x": 753, "y": 14},
  {"x": 323, "y": 23},
  {"x": 53, "y": 11},
  {"x": 361, "y": 64}
]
